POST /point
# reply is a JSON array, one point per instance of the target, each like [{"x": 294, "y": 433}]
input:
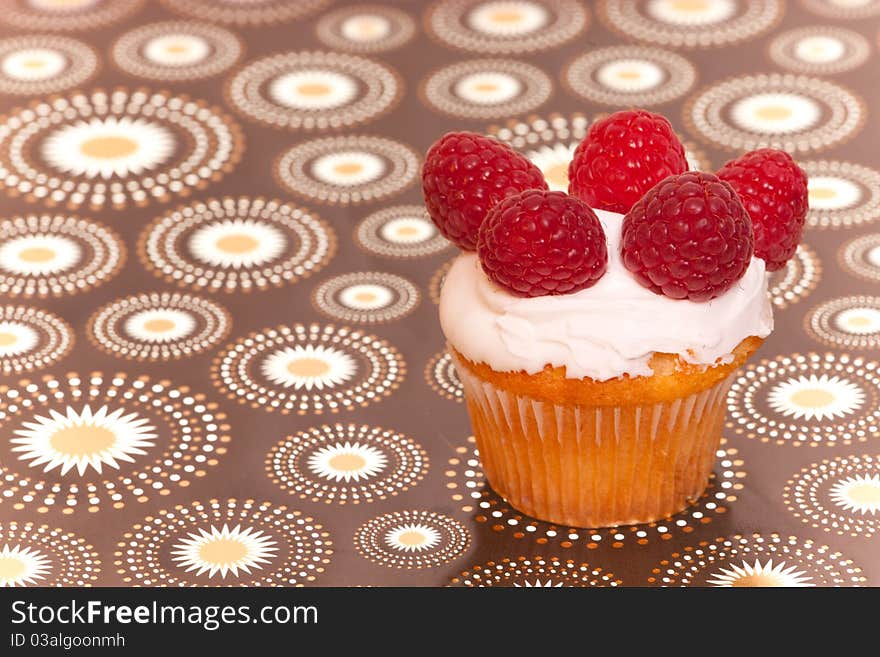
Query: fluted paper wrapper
[{"x": 595, "y": 466}]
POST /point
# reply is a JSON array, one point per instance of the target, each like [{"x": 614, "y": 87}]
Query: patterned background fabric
[{"x": 220, "y": 355}]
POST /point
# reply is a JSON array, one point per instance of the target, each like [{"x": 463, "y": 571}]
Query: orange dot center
[
  {"x": 237, "y": 243},
  {"x": 308, "y": 367},
  {"x": 36, "y": 254},
  {"x": 411, "y": 538},
  {"x": 7, "y": 339},
  {"x": 812, "y": 398},
  {"x": 223, "y": 551},
  {"x": 557, "y": 174},
  {"x": 108, "y": 147},
  {"x": 11, "y": 568},
  {"x": 158, "y": 325},
  {"x": 82, "y": 440},
  {"x": 773, "y": 112},
  {"x": 313, "y": 89},
  {"x": 347, "y": 462},
  {"x": 865, "y": 494}
]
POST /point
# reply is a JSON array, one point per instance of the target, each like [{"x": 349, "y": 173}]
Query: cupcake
[{"x": 596, "y": 332}]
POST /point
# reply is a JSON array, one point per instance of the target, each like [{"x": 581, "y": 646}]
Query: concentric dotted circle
[
  {"x": 810, "y": 399},
  {"x": 534, "y": 572},
  {"x": 314, "y": 90},
  {"x": 486, "y": 89},
  {"x": 840, "y": 495},
  {"x": 39, "y": 555},
  {"x": 86, "y": 443},
  {"x": 346, "y": 464},
  {"x": 846, "y": 9},
  {"x": 506, "y": 27},
  {"x": 467, "y": 485},
  {"x": 224, "y": 543},
  {"x": 348, "y": 170},
  {"x": 159, "y": 326},
  {"x": 32, "y": 339},
  {"x": 629, "y": 75},
  {"x": 236, "y": 244},
  {"x": 412, "y": 539},
  {"x": 795, "y": 113},
  {"x": 851, "y": 322},
  {"x": 67, "y": 15},
  {"x": 56, "y": 255},
  {"x": 401, "y": 231},
  {"x": 176, "y": 51},
  {"x": 247, "y": 13},
  {"x": 115, "y": 148},
  {"x": 441, "y": 375},
  {"x": 43, "y": 64},
  {"x": 437, "y": 279},
  {"x": 308, "y": 369},
  {"x": 367, "y": 297},
  {"x": 366, "y": 28},
  {"x": 820, "y": 50},
  {"x": 842, "y": 194},
  {"x": 797, "y": 279},
  {"x": 861, "y": 257},
  {"x": 691, "y": 25},
  {"x": 549, "y": 142},
  {"x": 758, "y": 561}
]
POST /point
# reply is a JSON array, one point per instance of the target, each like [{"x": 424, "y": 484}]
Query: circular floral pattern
[
  {"x": 441, "y": 375},
  {"x": 691, "y": 23},
  {"x": 366, "y": 297},
  {"x": 176, "y": 51},
  {"x": 412, "y": 539},
  {"x": 437, "y": 279},
  {"x": 797, "y": 279},
  {"x": 35, "y": 555},
  {"x": 849, "y": 322},
  {"x": 56, "y": 255},
  {"x": 806, "y": 400},
  {"x": 43, "y": 64},
  {"x": 31, "y": 339},
  {"x": 309, "y": 369},
  {"x": 224, "y": 543},
  {"x": 507, "y": 26},
  {"x": 247, "y": 13},
  {"x": 820, "y": 50},
  {"x": 91, "y": 442},
  {"x": 842, "y": 194},
  {"x": 116, "y": 148},
  {"x": 467, "y": 485},
  {"x": 366, "y": 28},
  {"x": 757, "y": 561},
  {"x": 314, "y": 90},
  {"x": 791, "y": 112},
  {"x": 846, "y": 9},
  {"x": 534, "y": 572},
  {"x": 486, "y": 89},
  {"x": 65, "y": 15},
  {"x": 346, "y": 464},
  {"x": 861, "y": 256},
  {"x": 236, "y": 244},
  {"x": 629, "y": 75},
  {"x": 401, "y": 231},
  {"x": 840, "y": 495},
  {"x": 159, "y": 326},
  {"x": 348, "y": 170}
]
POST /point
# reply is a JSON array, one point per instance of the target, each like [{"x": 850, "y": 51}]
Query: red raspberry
[
  {"x": 688, "y": 238},
  {"x": 773, "y": 190},
  {"x": 464, "y": 175},
  {"x": 538, "y": 243},
  {"x": 622, "y": 157}
]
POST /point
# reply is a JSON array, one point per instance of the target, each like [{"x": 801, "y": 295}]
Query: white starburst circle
[
  {"x": 776, "y": 113},
  {"x": 630, "y": 75},
  {"x": 224, "y": 550},
  {"x": 313, "y": 89},
  {"x": 538, "y": 584},
  {"x": 860, "y": 493},
  {"x": 412, "y": 537},
  {"x": 16, "y": 338},
  {"x": 348, "y": 168},
  {"x": 177, "y": 49},
  {"x": 38, "y": 255},
  {"x": 237, "y": 243},
  {"x": 816, "y": 397},
  {"x": 832, "y": 193},
  {"x": 82, "y": 438},
  {"x": 108, "y": 147},
  {"x": 699, "y": 13},
  {"x": 487, "y": 87},
  {"x": 347, "y": 461},
  {"x": 22, "y": 566},
  {"x": 761, "y": 575},
  {"x": 508, "y": 19},
  {"x": 310, "y": 366},
  {"x": 553, "y": 162},
  {"x": 33, "y": 64},
  {"x": 160, "y": 325}
]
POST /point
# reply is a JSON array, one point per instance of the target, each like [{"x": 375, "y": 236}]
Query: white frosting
[{"x": 602, "y": 332}]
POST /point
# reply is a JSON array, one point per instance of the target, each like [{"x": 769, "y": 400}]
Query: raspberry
[
  {"x": 464, "y": 175},
  {"x": 539, "y": 243},
  {"x": 773, "y": 190},
  {"x": 688, "y": 238},
  {"x": 622, "y": 157}
]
